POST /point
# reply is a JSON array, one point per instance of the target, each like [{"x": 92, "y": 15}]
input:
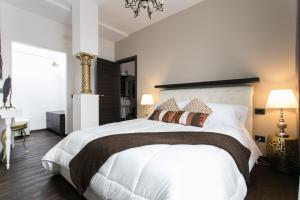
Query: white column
[
  {"x": 85, "y": 42},
  {"x": 85, "y": 27},
  {"x": 86, "y": 111}
]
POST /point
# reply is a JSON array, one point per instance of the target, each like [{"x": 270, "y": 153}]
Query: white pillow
[{"x": 227, "y": 114}]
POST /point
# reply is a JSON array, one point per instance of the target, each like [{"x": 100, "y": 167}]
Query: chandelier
[{"x": 150, "y": 5}]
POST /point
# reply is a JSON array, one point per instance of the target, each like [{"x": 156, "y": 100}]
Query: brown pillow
[
  {"x": 163, "y": 116},
  {"x": 169, "y": 105},
  {"x": 190, "y": 118},
  {"x": 197, "y": 106}
]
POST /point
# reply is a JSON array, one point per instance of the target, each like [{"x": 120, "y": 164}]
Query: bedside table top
[{"x": 285, "y": 138}]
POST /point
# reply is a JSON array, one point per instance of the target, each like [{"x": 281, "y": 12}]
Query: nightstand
[{"x": 283, "y": 153}]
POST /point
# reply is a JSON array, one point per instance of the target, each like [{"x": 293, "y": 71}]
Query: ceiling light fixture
[{"x": 150, "y": 5}]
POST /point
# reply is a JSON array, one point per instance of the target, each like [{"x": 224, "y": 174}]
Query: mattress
[
  {"x": 158, "y": 172},
  {"x": 89, "y": 194}
]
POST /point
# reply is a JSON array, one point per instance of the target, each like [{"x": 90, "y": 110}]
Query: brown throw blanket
[{"x": 89, "y": 160}]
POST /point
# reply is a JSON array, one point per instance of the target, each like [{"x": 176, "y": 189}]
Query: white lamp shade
[
  {"x": 147, "y": 99},
  {"x": 282, "y": 99}
]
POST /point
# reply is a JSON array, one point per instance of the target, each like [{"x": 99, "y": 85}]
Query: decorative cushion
[
  {"x": 190, "y": 118},
  {"x": 163, "y": 116},
  {"x": 169, "y": 105},
  {"x": 197, "y": 106}
]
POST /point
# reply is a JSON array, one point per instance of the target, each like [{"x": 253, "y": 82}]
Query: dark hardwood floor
[
  {"x": 266, "y": 183},
  {"x": 28, "y": 180}
]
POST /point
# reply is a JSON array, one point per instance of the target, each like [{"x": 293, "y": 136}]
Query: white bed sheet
[{"x": 160, "y": 172}]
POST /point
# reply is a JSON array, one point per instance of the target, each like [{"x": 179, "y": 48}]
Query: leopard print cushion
[
  {"x": 197, "y": 106},
  {"x": 169, "y": 105}
]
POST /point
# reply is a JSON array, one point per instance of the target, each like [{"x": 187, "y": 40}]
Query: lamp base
[
  {"x": 282, "y": 125},
  {"x": 284, "y": 135}
]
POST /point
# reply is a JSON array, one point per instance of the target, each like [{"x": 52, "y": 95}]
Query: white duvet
[{"x": 160, "y": 172}]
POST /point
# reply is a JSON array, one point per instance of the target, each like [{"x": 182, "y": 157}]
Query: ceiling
[{"x": 115, "y": 22}]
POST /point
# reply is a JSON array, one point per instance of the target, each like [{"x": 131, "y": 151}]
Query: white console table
[{"x": 8, "y": 115}]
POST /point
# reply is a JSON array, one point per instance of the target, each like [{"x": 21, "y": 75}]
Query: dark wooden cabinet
[
  {"x": 108, "y": 87},
  {"x": 56, "y": 122}
]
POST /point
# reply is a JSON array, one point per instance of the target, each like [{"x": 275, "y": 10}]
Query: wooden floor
[
  {"x": 28, "y": 180},
  {"x": 269, "y": 184}
]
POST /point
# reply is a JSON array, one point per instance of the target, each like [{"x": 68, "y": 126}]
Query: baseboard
[
  {"x": 19, "y": 137},
  {"x": 38, "y": 130}
]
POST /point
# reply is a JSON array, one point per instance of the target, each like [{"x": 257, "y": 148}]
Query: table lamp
[
  {"x": 282, "y": 99},
  {"x": 147, "y": 100}
]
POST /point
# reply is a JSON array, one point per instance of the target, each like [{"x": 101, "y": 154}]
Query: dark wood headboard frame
[{"x": 211, "y": 84}]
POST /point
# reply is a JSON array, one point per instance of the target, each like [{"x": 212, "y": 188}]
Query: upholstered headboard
[{"x": 239, "y": 95}]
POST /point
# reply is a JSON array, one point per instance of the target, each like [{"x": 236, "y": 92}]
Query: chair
[
  {"x": 17, "y": 127},
  {"x": 19, "y": 119}
]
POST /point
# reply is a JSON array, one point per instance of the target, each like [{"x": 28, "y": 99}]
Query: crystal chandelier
[{"x": 150, "y": 5}]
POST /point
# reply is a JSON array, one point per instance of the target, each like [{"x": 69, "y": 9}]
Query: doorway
[
  {"x": 116, "y": 85},
  {"x": 128, "y": 73},
  {"x": 38, "y": 82}
]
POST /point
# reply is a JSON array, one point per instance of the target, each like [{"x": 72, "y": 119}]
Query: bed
[{"x": 163, "y": 172}]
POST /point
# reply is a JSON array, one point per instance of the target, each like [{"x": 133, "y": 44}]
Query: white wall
[
  {"x": 38, "y": 86},
  {"x": 28, "y": 28}
]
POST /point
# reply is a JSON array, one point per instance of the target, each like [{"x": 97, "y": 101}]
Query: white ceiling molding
[
  {"x": 113, "y": 29},
  {"x": 116, "y": 21},
  {"x": 60, "y": 5},
  {"x": 69, "y": 9}
]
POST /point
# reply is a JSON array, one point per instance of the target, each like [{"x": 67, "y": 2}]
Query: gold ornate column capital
[{"x": 86, "y": 61}]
